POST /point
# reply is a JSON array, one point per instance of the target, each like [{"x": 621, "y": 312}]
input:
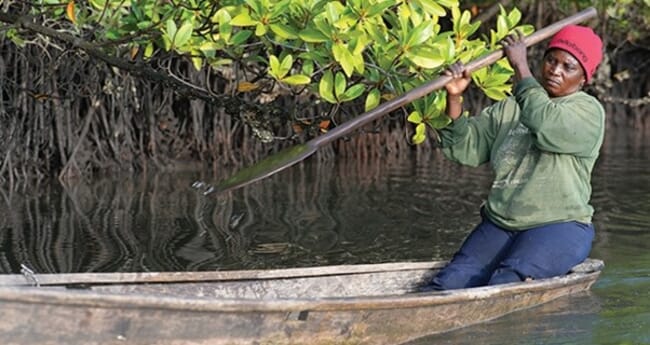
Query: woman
[{"x": 542, "y": 144}]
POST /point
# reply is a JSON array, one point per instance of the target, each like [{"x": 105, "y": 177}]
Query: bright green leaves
[
  {"x": 432, "y": 7},
  {"x": 462, "y": 26},
  {"x": 265, "y": 15},
  {"x": 312, "y": 35},
  {"x": 493, "y": 80},
  {"x": 429, "y": 111},
  {"x": 244, "y": 19},
  {"x": 421, "y": 54},
  {"x": 334, "y": 89},
  {"x": 373, "y": 99},
  {"x": 177, "y": 37},
  {"x": 279, "y": 70},
  {"x": 358, "y": 51},
  {"x": 420, "y": 129},
  {"x": 426, "y": 57},
  {"x": 419, "y": 34},
  {"x": 348, "y": 61},
  {"x": 284, "y": 31},
  {"x": 326, "y": 87},
  {"x": 506, "y": 23}
]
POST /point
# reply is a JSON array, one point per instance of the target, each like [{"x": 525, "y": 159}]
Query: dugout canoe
[{"x": 347, "y": 304}]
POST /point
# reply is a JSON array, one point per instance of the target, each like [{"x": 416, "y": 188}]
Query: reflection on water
[
  {"x": 309, "y": 215},
  {"x": 353, "y": 211}
]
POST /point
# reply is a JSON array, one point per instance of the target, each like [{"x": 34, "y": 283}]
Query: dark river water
[{"x": 413, "y": 208}]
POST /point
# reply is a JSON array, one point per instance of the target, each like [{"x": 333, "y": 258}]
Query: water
[{"x": 361, "y": 211}]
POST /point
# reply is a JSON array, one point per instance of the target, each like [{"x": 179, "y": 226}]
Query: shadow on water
[{"x": 348, "y": 211}]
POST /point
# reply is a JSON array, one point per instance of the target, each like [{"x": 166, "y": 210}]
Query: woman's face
[{"x": 562, "y": 74}]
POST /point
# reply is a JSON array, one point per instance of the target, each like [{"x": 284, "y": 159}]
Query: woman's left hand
[{"x": 514, "y": 46}]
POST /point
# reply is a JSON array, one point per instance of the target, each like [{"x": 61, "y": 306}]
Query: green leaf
[
  {"x": 240, "y": 37},
  {"x": 526, "y": 29},
  {"x": 379, "y": 8},
  {"x": 280, "y": 8},
  {"x": 514, "y": 17},
  {"x": 340, "y": 84},
  {"x": 496, "y": 79},
  {"x": 256, "y": 6},
  {"x": 144, "y": 24},
  {"x": 171, "y": 29},
  {"x": 449, "y": 3},
  {"x": 333, "y": 11},
  {"x": 376, "y": 33},
  {"x": 480, "y": 75},
  {"x": 468, "y": 29},
  {"x": 448, "y": 49},
  {"x": 114, "y": 34},
  {"x": 209, "y": 49},
  {"x": 326, "y": 86},
  {"x": 432, "y": 7},
  {"x": 465, "y": 18},
  {"x": 414, "y": 117},
  {"x": 260, "y": 29},
  {"x": 495, "y": 93},
  {"x": 357, "y": 61},
  {"x": 284, "y": 31},
  {"x": 373, "y": 98},
  {"x": 343, "y": 56},
  {"x": 243, "y": 19},
  {"x": 286, "y": 64},
  {"x": 426, "y": 57},
  {"x": 439, "y": 121},
  {"x": 277, "y": 69},
  {"x": 420, "y": 34},
  {"x": 148, "y": 51},
  {"x": 324, "y": 27},
  {"x": 505, "y": 65},
  {"x": 455, "y": 16},
  {"x": 197, "y": 61},
  {"x": 225, "y": 28},
  {"x": 312, "y": 35},
  {"x": 308, "y": 67},
  {"x": 183, "y": 34},
  {"x": 220, "y": 62},
  {"x": 297, "y": 79},
  {"x": 420, "y": 134},
  {"x": 502, "y": 27},
  {"x": 353, "y": 92}
]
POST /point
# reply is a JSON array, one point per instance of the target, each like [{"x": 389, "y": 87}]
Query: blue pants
[{"x": 491, "y": 255}]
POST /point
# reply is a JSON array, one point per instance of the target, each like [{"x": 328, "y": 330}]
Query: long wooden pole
[{"x": 295, "y": 154}]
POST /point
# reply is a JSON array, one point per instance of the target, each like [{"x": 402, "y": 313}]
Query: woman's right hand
[{"x": 461, "y": 79}]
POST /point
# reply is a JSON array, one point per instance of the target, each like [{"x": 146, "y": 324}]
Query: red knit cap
[{"x": 583, "y": 44}]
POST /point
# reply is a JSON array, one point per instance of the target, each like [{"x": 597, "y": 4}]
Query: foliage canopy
[{"x": 336, "y": 52}]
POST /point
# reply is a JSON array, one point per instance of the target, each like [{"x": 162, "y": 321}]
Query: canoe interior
[
  {"x": 353, "y": 304},
  {"x": 306, "y": 283},
  {"x": 341, "y": 286}
]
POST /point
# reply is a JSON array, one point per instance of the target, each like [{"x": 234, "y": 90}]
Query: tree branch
[{"x": 138, "y": 69}]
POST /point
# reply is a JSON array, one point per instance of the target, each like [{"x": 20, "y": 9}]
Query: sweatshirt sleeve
[
  {"x": 468, "y": 140},
  {"x": 570, "y": 125}
]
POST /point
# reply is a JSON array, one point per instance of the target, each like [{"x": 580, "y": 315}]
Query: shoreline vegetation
[{"x": 106, "y": 87}]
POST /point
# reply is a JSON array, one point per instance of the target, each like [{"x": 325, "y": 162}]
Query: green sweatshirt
[{"x": 542, "y": 151}]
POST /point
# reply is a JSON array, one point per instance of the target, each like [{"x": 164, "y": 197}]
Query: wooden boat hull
[{"x": 249, "y": 311}]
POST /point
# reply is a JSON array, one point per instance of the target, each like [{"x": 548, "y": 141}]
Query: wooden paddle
[{"x": 295, "y": 154}]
